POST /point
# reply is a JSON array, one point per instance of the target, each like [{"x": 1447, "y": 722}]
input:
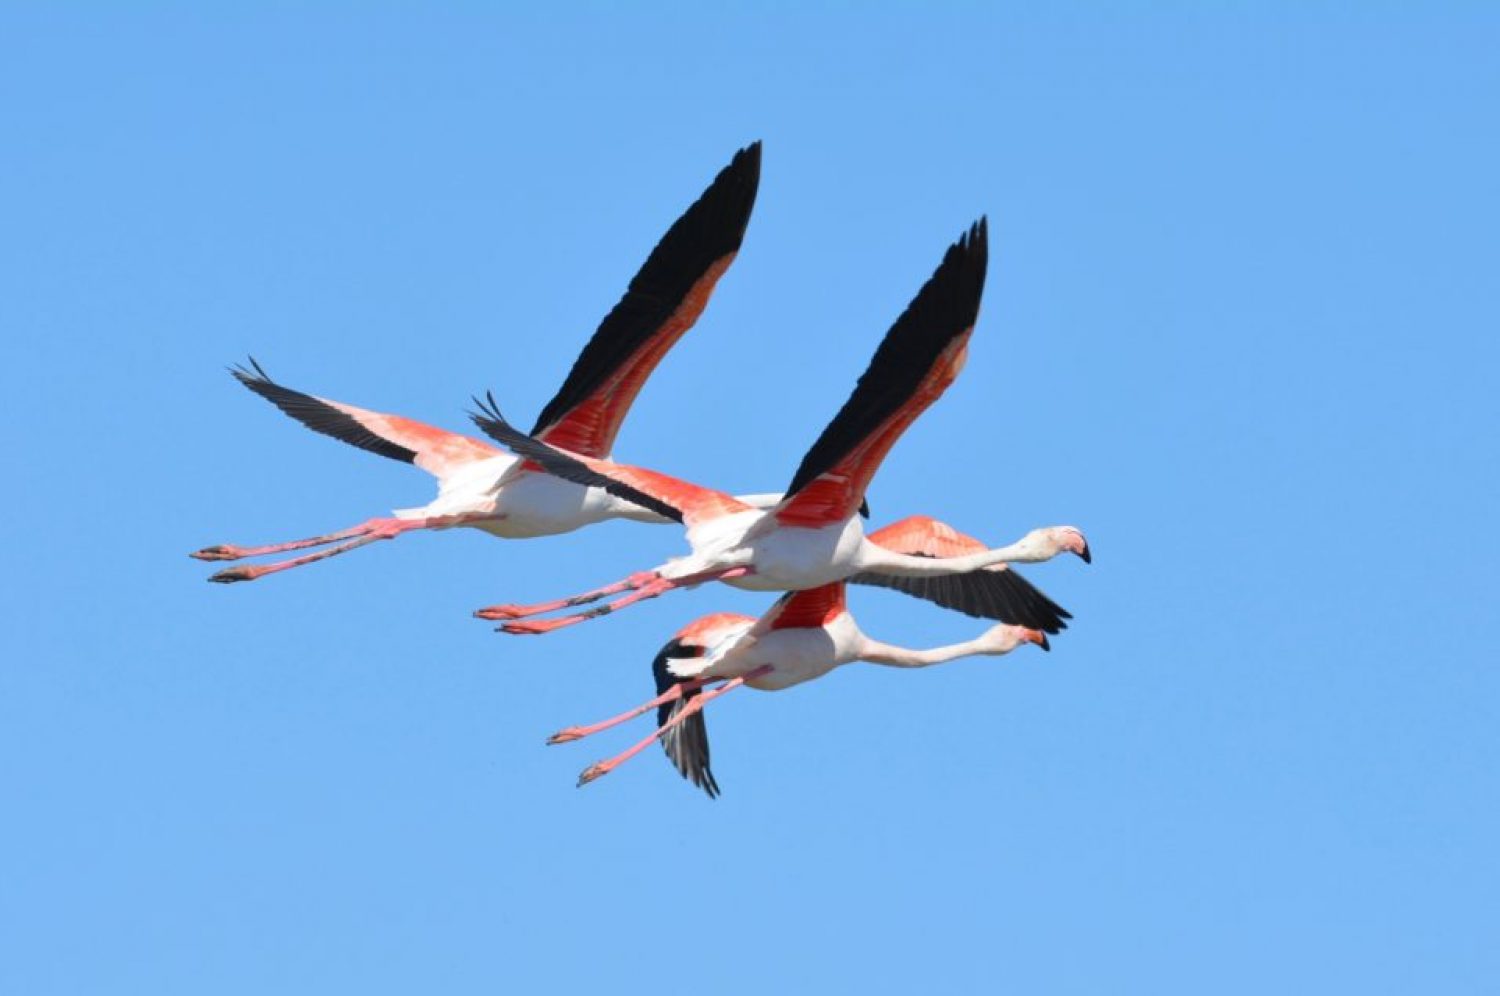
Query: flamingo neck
[{"x": 888, "y": 654}]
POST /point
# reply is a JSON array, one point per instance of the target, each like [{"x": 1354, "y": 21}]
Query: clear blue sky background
[{"x": 1240, "y": 326}]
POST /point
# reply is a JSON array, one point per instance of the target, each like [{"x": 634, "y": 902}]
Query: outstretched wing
[
  {"x": 667, "y": 496},
  {"x": 995, "y": 592},
  {"x": 686, "y": 743},
  {"x": 435, "y": 450},
  {"x": 919, "y": 357},
  {"x": 663, "y": 301}
]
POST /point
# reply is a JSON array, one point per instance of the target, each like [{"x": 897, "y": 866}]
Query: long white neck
[
  {"x": 892, "y": 656},
  {"x": 874, "y": 557}
]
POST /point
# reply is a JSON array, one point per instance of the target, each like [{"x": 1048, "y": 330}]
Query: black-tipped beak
[
  {"x": 1088, "y": 558},
  {"x": 1044, "y": 644}
]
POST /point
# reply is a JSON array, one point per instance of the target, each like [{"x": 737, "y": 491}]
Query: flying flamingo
[
  {"x": 480, "y": 485},
  {"x": 813, "y": 536},
  {"x": 804, "y": 636}
]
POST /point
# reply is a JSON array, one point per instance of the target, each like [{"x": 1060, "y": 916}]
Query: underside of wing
[
  {"x": 919, "y": 357},
  {"x": 1004, "y": 596},
  {"x": 686, "y": 744},
  {"x": 995, "y": 592},
  {"x": 663, "y": 301},
  {"x": 435, "y": 450}
]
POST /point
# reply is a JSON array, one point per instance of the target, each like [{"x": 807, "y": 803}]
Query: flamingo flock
[{"x": 807, "y": 542}]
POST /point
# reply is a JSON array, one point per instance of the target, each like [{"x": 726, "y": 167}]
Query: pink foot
[
  {"x": 536, "y": 627},
  {"x": 224, "y": 551},
  {"x": 566, "y": 736},
  {"x": 496, "y": 612},
  {"x": 592, "y": 772},
  {"x": 233, "y": 574}
]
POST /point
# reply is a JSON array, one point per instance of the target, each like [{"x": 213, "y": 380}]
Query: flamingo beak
[
  {"x": 1088, "y": 558},
  {"x": 1036, "y": 636}
]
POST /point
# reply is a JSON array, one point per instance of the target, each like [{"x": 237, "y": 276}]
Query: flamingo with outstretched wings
[
  {"x": 813, "y": 536},
  {"x": 804, "y": 636},
  {"x": 486, "y": 488}
]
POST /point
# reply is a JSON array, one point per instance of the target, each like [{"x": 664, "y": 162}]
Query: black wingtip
[
  {"x": 745, "y": 168},
  {"x": 973, "y": 254},
  {"x": 686, "y": 745},
  {"x": 973, "y": 247},
  {"x": 711, "y": 230},
  {"x": 978, "y": 235},
  {"x": 726, "y": 204},
  {"x": 748, "y": 158},
  {"x": 317, "y": 414},
  {"x": 490, "y": 420},
  {"x": 944, "y": 309},
  {"x": 254, "y": 372},
  {"x": 488, "y": 410},
  {"x": 1004, "y": 596}
]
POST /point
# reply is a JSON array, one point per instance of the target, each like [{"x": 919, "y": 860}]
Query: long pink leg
[
  {"x": 652, "y": 589},
  {"x": 696, "y": 704},
  {"x": 367, "y": 533},
  {"x": 672, "y": 694},
  {"x": 228, "y": 551},
  {"x": 249, "y": 572},
  {"x": 636, "y": 580}
]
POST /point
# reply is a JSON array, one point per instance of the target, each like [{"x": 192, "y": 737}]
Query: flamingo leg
[
  {"x": 228, "y": 551},
  {"x": 672, "y": 694},
  {"x": 363, "y": 534},
  {"x": 249, "y": 572},
  {"x": 651, "y": 589},
  {"x": 634, "y": 581},
  {"x": 696, "y": 704}
]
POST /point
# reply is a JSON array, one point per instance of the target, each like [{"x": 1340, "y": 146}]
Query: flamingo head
[
  {"x": 1044, "y": 544},
  {"x": 1002, "y": 639}
]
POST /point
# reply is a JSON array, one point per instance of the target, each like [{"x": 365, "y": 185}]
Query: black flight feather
[
  {"x": 559, "y": 464},
  {"x": 686, "y": 743},
  {"x": 1004, "y": 596},
  {"x": 318, "y": 415},
  {"x": 945, "y": 308},
  {"x": 707, "y": 232}
]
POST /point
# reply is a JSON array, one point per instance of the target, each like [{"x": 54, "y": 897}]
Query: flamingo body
[
  {"x": 529, "y": 504},
  {"x": 780, "y": 558},
  {"x": 795, "y": 655}
]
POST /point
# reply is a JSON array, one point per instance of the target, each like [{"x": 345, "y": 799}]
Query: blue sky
[{"x": 1240, "y": 326}]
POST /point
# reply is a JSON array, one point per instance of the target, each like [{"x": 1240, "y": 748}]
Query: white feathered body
[
  {"x": 795, "y": 654},
  {"x": 785, "y": 558}
]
